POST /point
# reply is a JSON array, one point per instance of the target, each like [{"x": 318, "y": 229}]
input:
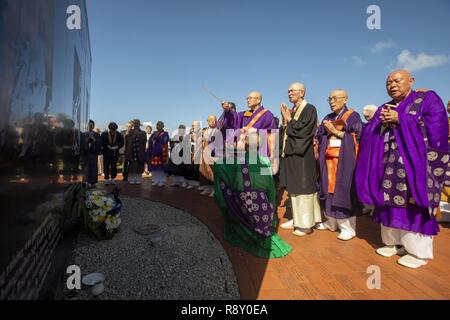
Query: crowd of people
[
  {"x": 149, "y": 152},
  {"x": 395, "y": 166}
]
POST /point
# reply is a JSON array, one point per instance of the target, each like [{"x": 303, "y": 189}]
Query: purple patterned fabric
[
  {"x": 395, "y": 185},
  {"x": 250, "y": 206}
]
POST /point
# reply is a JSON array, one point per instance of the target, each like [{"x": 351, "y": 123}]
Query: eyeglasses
[
  {"x": 335, "y": 98},
  {"x": 252, "y": 98}
]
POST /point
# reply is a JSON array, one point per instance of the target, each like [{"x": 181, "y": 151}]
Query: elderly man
[
  {"x": 338, "y": 137},
  {"x": 245, "y": 192},
  {"x": 401, "y": 169},
  {"x": 369, "y": 111},
  {"x": 298, "y": 165}
]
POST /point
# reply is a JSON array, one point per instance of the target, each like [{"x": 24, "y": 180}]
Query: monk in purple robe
[
  {"x": 244, "y": 189},
  {"x": 338, "y": 137},
  {"x": 245, "y": 122},
  {"x": 401, "y": 169}
]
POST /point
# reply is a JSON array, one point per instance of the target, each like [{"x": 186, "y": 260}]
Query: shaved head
[
  {"x": 296, "y": 93},
  {"x": 297, "y": 86},
  {"x": 404, "y": 73},
  {"x": 399, "y": 84},
  {"x": 254, "y": 100},
  {"x": 255, "y": 94},
  {"x": 338, "y": 100},
  {"x": 339, "y": 92}
]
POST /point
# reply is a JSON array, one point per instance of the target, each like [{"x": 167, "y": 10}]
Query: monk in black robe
[{"x": 298, "y": 172}]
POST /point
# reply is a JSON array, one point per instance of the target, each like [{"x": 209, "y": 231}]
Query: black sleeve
[
  {"x": 305, "y": 126},
  {"x": 104, "y": 140},
  {"x": 120, "y": 140}
]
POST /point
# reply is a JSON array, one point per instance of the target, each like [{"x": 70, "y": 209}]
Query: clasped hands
[
  {"x": 330, "y": 128},
  {"x": 285, "y": 112},
  {"x": 389, "y": 115}
]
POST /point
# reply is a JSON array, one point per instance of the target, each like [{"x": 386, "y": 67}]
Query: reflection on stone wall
[{"x": 44, "y": 105}]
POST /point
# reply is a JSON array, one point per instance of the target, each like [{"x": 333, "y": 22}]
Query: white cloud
[
  {"x": 380, "y": 46},
  {"x": 358, "y": 61},
  {"x": 406, "y": 60}
]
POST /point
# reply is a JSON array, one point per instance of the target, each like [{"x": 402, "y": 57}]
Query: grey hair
[{"x": 370, "y": 108}]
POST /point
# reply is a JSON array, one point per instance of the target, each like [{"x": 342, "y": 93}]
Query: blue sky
[{"x": 151, "y": 59}]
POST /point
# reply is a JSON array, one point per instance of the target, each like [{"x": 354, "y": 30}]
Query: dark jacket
[
  {"x": 111, "y": 148},
  {"x": 91, "y": 143}
]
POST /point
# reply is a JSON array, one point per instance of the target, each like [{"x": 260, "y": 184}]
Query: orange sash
[
  {"x": 255, "y": 119},
  {"x": 332, "y": 153},
  {"x": 243, "y": 138}
]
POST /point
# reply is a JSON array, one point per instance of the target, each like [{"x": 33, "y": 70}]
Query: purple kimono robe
[
  {"x": 378, "y": 157},
  {"x": 236, "y": 121},
  {"x": 343, "y": 203},
  {"x": 158, "y": 148}
]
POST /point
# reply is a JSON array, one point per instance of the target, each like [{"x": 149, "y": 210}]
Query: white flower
[
  {"x": 109, "y": 202},
  {"x": 99, "y": 202},
  {"x": 97, "y": 193}
]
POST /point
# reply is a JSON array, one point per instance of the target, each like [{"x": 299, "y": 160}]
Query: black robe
[
  {"x": 298, "y": 171},
  {"x": 91, "y": 145}
]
